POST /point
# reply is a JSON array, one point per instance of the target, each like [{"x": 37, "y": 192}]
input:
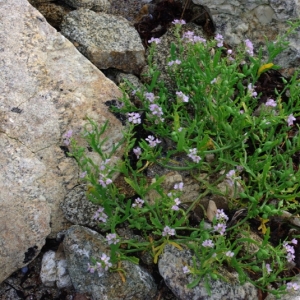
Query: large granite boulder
[
  {"x": 256, "y": 19},
  {"x": 107, "y": 41},
  {"x": 46, "y": 89}
]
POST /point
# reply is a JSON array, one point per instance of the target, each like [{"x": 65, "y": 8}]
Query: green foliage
[{"x": 215, "y": 112}]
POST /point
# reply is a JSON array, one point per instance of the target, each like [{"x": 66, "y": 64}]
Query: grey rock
[
  {"x": 96, "y": 5},
  {"x": 107, "y": 41},
  {"x": 46, "y": 88},
  {"x": 78, "y": 209},
  {"x": 80, "y": 244},
  {"x": 63, "y": 279},
  {"x": 170, "y": 266}
]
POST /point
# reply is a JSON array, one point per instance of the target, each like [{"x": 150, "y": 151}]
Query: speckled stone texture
[
  {"x": 170, "y": 266},
  {"x": 78, "y": 209},
  {"x": 106, "y": 40},
  {"x": 96, "y": 5},
  {"x": 80, "y": 244}
]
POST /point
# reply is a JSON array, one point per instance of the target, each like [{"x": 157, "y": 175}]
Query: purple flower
[
  {"x": 150, "y": 97},
  {"x": 271, "y": 103},
  {"x": 219, "y": 39},
  {"x": 220, "y": 228},
  {"x": 290, "y": 255},
  {"x": 100, "y": 215},
  {"x": 229, "y": 253},
  {"x": 290, "y": 120},
  {"x": 251, "y": 90},
  {"x": 154, "y": 40},
  {"x": 104, "y": 182},
  {"x": 242, "y": 111},
  {"x": 83, "y": 174},
  {"x": 208, "y": 243},
  {"x": 294, "y": 241},
  {"x": 138, "y": 203},
  {"x": 229, "y": 51},
  {"x": 178, "y": 186},
  {"x": 249, "y": 47},
  {"x": 221, "y": 216},
  {"x": 179, "y": 22},
  {"x": 168, "y": 231},
  {"x": 91, "y": 269},
  {"x": 292, "y": 286},
  {"x": 105, "y": 259},
  {"x": 197, "y": 39},
  {"x": 182, "y": 96},
  {"x": 193, "y": 155},
  {"x": 156, "y": 110},
  {"x": 152, "y": 141},
  {"x": 134, "y": 118},
  {"x": 188, "y": 35},
  {"x": 172, "y": 62},
  {"x": 268, "y": 268},
  {"x": 177, "y": 202},
  {"x": 185, "y": 270},
  {"x": 111, "y": 238},
  {"x": 231, "y": 177},
  {"x": 67, "y": 136},
  {"x": 137, "y": 151}
]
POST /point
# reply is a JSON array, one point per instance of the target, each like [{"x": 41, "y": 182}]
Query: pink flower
[
  {"x": 154, "y": 40},
  {"x": 168, "y": 231},
  {"x": 137, "y": 151},
  {"x": 179, "y": 22},
  {"x": 219, "y": 39},
  {"x": 152, "y": 141},
  {"x": 271, "y": 103}
]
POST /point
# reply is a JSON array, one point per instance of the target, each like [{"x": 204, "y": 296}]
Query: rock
[
  {"x": 54, "y": 271},
  {"x": 107, "y": 41},
  {"x": 170, "y": 266},
  {"x": 239, "y": 20},
  {"x": 78, "y": 209},
  {"x": 47, "y": 88},
  {"x": 48, "y": 270},
  {"x": 80, "y": 245},
  {"x": 53, "y": 12},
  {"x": 96, "y": 5}
]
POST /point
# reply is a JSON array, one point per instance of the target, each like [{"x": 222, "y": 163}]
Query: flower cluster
[
  {"x": 101, "y": 266},
  {"x": 251, "y": 90},
  {"x": 290, "y": 256},
  {"x": 134, "y": 118},
  {"x": 67, "y": 137},
  {"x": 156, "y": 111},
  {"x": 219, "y": 38},
  {"x": 231, "y": 177},
  {"x": 292, "y": 286},
  {"x": 152, "y": 141},
  {"x": 111, "y": 238},
  {"x": 150, "y": 97},
  {"x": 193, "y": 155},
  {"x": 221, "y": 218},
  {"x": 179, "y": 22},
  {"x": 138, "y": 203},
  {"x": 154, "y": 40},
  {"x": 249, "y": 47},
  {"x": 104, "y": 180},
  {"x": 178, "y": 186},
  {"x": 208, "y": 243},
  {"x": 271, "y": 102},
  {"x": 182, "y": 97},
  {"x": 168, "y": 231},
  {"x": 174, "y": 62},
  {"x": 100, "y": 215},
  {"x": 190, "y": 37}
]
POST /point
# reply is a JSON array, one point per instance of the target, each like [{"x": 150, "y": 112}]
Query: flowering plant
[{"x": 216, "y": 112}]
